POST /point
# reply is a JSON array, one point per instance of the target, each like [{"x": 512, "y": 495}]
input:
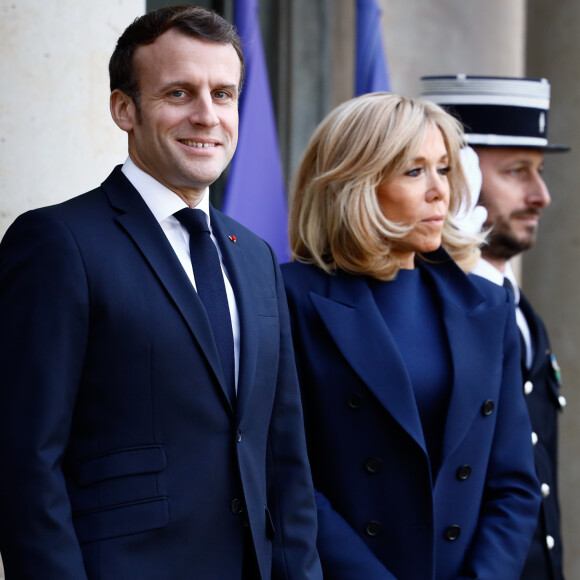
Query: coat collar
[
  {"x": 353, "y": 319},
  {"x": 136, "y": 219}
]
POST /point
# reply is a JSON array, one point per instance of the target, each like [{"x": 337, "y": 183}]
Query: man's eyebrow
[{"x": 190, "y": 86}]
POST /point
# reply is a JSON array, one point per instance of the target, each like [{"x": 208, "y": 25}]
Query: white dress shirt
[
  {"x": 484, "y": 269},
  {"x": 163, "y": 203}
]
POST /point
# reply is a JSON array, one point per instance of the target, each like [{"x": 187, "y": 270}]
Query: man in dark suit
[
  {"x": 149, "y": 431},
  {"x": 506, "y": 123}
]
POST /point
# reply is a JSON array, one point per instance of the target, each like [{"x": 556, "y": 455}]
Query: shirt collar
[
  {"x": 484, "y": 269},
  {"x": 162, "y": 202}
]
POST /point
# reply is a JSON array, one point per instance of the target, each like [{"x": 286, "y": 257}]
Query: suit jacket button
[
  {"x": 528, "y": 387},
  {"x": 239, "y": 436},
  {"x": 550, "y": 542},
  {"x": 452, "y": 533},
  {"x": 237, "y": 506},
  {"x": 487, "y": 408},
  {"x": 373, "y": 465},
  {"x": 463, "y": 472},
  {"x": 534, "y": 438},
  {"x": 355, "y": 401},
  {"x": 373, "y": 529}
]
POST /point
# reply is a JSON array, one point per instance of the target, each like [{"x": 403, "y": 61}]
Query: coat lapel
[
  {"x": 475, "y": 337},
  {"x": 356, "y": 325},
  {"x": 138, "y": 221}
]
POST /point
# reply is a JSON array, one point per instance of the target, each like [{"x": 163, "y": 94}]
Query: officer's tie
[{"x": 510, "y": 288}]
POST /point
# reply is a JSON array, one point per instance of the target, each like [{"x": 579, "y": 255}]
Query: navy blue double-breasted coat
[{"x": 381, "y": 516}]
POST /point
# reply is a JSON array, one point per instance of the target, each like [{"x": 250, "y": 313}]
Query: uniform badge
[{"x": 556, "y": 368}]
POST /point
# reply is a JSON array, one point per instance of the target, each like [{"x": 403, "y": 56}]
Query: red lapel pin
[{"x": 233, "y": 239}]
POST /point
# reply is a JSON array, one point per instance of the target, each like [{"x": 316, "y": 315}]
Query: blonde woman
[{"x": 417, "y": 429}]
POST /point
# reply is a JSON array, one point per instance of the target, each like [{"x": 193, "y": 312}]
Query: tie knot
[{"x": 194, "y": 220}]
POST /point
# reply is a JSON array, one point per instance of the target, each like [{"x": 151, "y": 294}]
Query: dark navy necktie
[
  {"x": 507, "y": 284},
  {"x": 211, "y": 289}
]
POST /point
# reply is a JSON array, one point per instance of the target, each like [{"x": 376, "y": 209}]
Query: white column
[{"x": 57, "y": 138}]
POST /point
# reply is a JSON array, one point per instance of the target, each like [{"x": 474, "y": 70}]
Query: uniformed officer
[{"x": 505, "y": 120}]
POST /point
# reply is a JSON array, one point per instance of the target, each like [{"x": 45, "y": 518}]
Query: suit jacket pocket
[
  {"x": 122, "y": 462},
  {"x": 122, "y": 520}
]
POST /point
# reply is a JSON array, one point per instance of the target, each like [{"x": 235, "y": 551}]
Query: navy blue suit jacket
[
  {"x": 121, "y": 455},
  {"x": 380, "y": 514}
]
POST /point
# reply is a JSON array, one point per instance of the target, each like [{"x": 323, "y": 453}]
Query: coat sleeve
[
  {"x": 43, "y": 334},
  {"x": 511, "y": 498},
  {"x": 294, "y": 546}
]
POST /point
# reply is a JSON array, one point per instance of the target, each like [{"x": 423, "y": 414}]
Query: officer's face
[{"x": 514, "y": 193}]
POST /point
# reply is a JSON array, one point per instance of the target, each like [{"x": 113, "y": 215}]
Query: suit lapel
[
  {"x": 357, "y": 327},
  {"x": 239, "y": 267},
  {"x": 141, "y": 226}
]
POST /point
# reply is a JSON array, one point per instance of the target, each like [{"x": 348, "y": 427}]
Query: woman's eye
[
  {"x": 415, "y": 172},
  {"x": 445, "y": 170}
]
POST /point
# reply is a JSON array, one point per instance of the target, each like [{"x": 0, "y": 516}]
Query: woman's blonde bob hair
[{"x": 335, "y": 218}]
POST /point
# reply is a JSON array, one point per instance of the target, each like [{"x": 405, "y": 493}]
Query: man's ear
[{"x": 123, "y": 110}]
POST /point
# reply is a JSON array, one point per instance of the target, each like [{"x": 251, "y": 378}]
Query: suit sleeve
[
  {"x": 511, "y": 497},
  {"x": 43, "y": 334},
  {"x": 294, "y": 546}
]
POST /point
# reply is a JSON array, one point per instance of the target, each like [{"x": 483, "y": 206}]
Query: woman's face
[{"x": 419, "y": 197}]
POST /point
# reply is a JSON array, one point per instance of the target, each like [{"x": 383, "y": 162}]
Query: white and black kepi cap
[{"x": 495, "y": 111}]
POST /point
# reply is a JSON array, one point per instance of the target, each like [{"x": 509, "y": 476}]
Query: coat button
[
  {"x": 452, "y": 533},
  {"x": 239, "y": 436},
  {"x": 355, "y": 401},
  {"x": 545, "y": 490},
  {"x": 373, "y": 465},
  {"x": 550, "y": 542},
  {"x": 463, "y": 472},
  {"x": 528, "y": 387},
  {"x": 373, "y": 529},
  {"x": 562, "y": 401},
  {"x": 487, "y": 408},
  {"x": 237, "y": 506},
  {"x": 534, "y": 437}
]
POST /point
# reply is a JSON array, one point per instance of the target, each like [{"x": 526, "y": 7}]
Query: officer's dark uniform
[{"x": 542, "y": 390}]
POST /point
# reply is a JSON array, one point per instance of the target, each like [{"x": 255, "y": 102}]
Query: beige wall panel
[
  {"x": 423, "y": 37},
  {"x": 552, "y": 269}
]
